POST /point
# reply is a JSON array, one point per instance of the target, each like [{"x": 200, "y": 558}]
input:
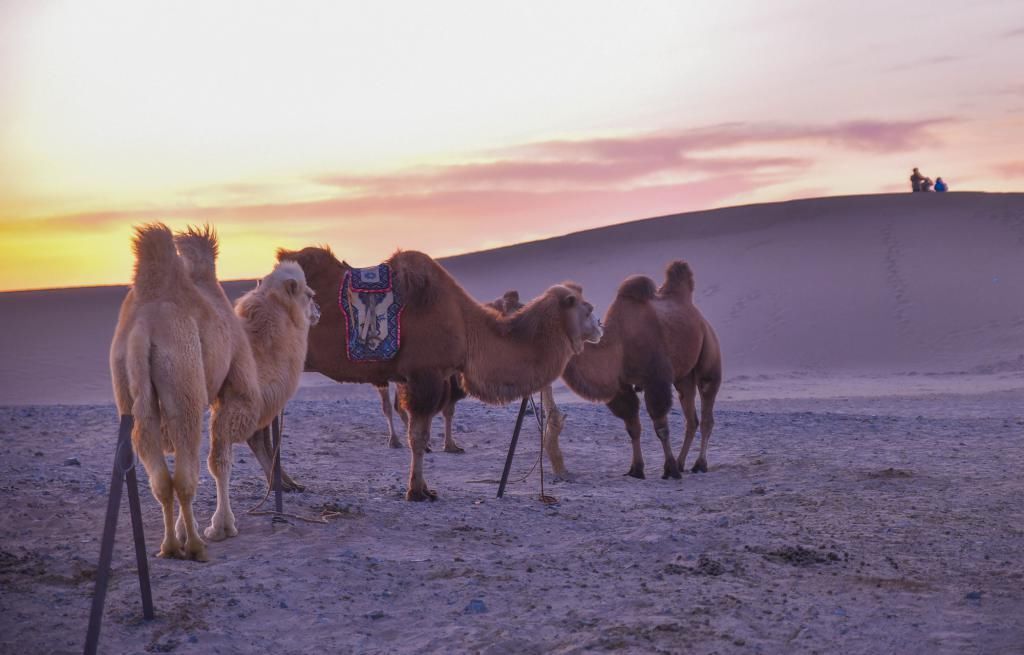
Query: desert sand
[{"x": 864, "y": 492}]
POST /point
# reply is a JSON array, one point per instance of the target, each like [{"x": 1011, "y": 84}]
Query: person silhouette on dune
[{"x": 915, "y": 181}]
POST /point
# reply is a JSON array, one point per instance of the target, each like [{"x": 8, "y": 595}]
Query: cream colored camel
[
  {"x": 177, "y": 348},
  {"x": 445, "y": 331},
  {"x": 654, "y": 339},
  {"x": 277, "y": 316}
]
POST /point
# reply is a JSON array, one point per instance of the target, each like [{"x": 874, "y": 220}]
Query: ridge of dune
[{"x": 879, "y": 285}]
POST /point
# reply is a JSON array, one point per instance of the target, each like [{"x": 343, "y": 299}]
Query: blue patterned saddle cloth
[{"x": 373, "y": 310}]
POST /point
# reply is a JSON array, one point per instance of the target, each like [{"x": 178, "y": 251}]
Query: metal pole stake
[
  {"x": 278, "y": 490},
  {"x": 512, "y": 446},
  {"x": 124, "y": 471}
]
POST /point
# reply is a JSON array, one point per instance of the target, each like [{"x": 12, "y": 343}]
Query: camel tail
[
  {"x": 678, "y": 276},
  {"x": 638, "y": 288},
  {"x": 140, "y": 380},
  {"x": 199, "y": 248},
  {"x": 157, "y": 265}
]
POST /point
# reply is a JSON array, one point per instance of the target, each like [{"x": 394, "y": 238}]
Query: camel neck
[{"x": 594, "y": 373}]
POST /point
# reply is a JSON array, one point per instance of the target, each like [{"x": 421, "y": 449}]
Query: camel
[
  {"x": 444, "y": 332},
  {"x": 179, "y": 348},
  {"x": 655, "y": 339},
  {"x": 507, "y": 305}
]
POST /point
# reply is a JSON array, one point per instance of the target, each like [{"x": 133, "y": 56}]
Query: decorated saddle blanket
[{"x": 373, "y": 310}]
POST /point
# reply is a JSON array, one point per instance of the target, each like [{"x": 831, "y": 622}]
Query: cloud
[
  {"x": 1013, "y": 34},
  {"x": 927, "y": 62},
  {"x": 1011, "y": 169},
  {"x": 547, "y": 186}
]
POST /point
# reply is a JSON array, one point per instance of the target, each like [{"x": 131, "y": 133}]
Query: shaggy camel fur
[
  {"x": 654, "y": 339},
  {"x": 507, "y": 305},
  {"x": 177, "y": 348},
  {"x": 445, "y": 331}
]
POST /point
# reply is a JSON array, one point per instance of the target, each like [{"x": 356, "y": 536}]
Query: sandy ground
[{"x": 846, "y": 524}]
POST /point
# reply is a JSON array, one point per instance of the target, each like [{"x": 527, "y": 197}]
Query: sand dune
[{"x": 884, "y": 285}]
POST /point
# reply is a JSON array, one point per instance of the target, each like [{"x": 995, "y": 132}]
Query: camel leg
[
  {"x": 687, "y": 395},
  {"x": 708, "y": 392},
  {"x": 626, "y": 406},
  {"x": 184, "y": 432},
  {"x": 147, "y": 443},
  {"x": 554, "y": 419},
  {"x": 179, "y": 527},
  {"x": 261, "y": 447},
  {"x": 402, "y": 414},
  {"x": 419, "y": 435},
  {"x": 421, "y": 397},
  {"x": 233, "y": 420},
  {"x": 222, "y": 525},
  {"x": 449, "y": 442},
  {"x": 658, "y": 399},
  {"x": 385, "y": 406},
  {"x": 453, "y": 394}
]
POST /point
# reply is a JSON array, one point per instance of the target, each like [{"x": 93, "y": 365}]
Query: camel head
[
  {"x": 320, "y": 266},
  {"x": 578, "y": 318},
  {"x": 508, "y": 304},
  {"x": 286, "y": 284}
]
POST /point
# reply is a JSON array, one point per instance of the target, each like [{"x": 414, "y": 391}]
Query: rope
[
  {"x": 547, "y": 500},
  {"x": 273, "y": 512}
]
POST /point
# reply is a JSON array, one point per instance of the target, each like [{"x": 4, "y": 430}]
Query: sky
[{"x": 450, "y": 127}]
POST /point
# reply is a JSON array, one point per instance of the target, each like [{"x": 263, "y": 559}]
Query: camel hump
[
  {"x": 638, "y": 288},
  {"x": 678, "y": 275},
  {"x": 157, "y": 265},
  {"x": 417, "y": 277},
  {"x": 199, "y": 248}
]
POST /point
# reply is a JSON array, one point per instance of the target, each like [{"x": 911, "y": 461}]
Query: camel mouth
[
  {"x": 595, "y": 334},
  {"x": 314, "y": 313}
]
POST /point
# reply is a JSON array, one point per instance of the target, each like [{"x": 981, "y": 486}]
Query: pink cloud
[
  {"x": 1010, "y": 169},
  {"x": 545, "y": 187}
]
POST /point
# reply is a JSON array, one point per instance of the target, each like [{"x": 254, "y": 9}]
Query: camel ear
[
  {"x": 292, "y": 286},
  {"x": 569, "y": 301}
]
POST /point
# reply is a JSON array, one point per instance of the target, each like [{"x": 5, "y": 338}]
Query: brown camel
[
  {"x": 178, "y": 348},
  {"x": 655, "y": 339},
  {"x": 507, "y": 305},
  {"x": 444, "y": 331}
]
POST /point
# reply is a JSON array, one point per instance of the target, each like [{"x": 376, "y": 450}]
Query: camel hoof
[
  {"x": 220, "y": 534},
  {"x": 565, "y": 476},
  {"x": 418, "y": 495},
  {"x": 455, "y": 449},
  {"x": 291, "y": 487},
  {"x": 636, "y": 471},
  {"x": 394, "y": 442},
  {"x": 700, "y": 466},
  {"x": 671, "y": 470},
  {"x": 198, "y": 553},
  {"x": 171, "y": 551}
]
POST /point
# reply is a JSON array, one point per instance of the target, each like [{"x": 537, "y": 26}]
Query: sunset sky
[{"x": 454, "y": 126}]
